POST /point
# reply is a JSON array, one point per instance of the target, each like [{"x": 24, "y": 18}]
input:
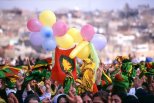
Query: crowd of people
[{"x": 122, "y": 81}]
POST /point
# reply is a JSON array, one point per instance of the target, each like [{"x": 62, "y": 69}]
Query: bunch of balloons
[
  {"x": 49, "y": 33},
  {"x": 41, "y": 31}
]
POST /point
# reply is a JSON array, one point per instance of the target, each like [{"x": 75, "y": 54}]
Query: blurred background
[{"x": 128, "y": 25}]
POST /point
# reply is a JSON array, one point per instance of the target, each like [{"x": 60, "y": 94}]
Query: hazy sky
[{"x": 71, "y": 4}]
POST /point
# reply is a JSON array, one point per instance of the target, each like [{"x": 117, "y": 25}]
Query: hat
[
  {"x": 149, "y": 59},
  {"x": 121, "y": 81}
]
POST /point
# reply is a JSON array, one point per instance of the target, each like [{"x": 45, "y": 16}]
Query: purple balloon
[
  {"x": 59, "y": 28},
  {"x": 36, "y": 38},
  {"x": 99, "y": 41},
  {"x": 87, "y": 32},
  {"x": 34, "y": 25}
]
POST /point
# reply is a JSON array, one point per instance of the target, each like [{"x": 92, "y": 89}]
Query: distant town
[{"x": 128, "y": 31}]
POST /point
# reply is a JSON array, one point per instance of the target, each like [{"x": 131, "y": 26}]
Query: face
[
  {"x": 33, "y": 101},
  {"x": 116, "y": 99},
  {"x": 87, "y": 99},
  {"x": 32, "y": 82},
  {"x": 62, "y": 100},
  {"x": 97, "y": 100},
  {"x": 46, "y": 100}
]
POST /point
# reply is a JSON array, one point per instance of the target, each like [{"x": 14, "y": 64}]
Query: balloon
[
  {"x": 75, "y": 33},
  {"x": 49, "y": 45},
  {"x": 87, "y": 32},
  {"x": 59, "y": 28},
  {"x": 99, "y": 41},
  {"x": 84, "y": 53},
  {"x": 47, "y": 32},
  {"x": 36, "y": 38},
  {"x": 47, "y": 18},
  {"x": 65, "y": 41},
  {"x": 34, "y": 25},
  {"x": 78, "y": 48}
]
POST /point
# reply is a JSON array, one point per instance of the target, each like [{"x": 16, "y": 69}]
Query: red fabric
[
  {"x": 56, "y": 73},
  {"x": 103, "y": 82},
  {"x": 14, "y": 71},
  {"x": 95, "y": 89},
  {"x": 119, "y": 77}
]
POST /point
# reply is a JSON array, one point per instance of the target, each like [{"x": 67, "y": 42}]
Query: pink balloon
[
  {"x": 59, "y": 28},
  {"x": 87, "y": 32},
  {"x": 34, "y": 25}
]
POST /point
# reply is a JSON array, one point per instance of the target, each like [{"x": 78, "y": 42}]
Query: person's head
[
  {"x": 119, "y": 97},
  {"x": 87, "y": 97},
  {"x": 100, "y": 97},
  {"x": 32, "y": 99},
  {"x": 33, "y": 84},
  {"x": 60, "y": 98},
  {"x": 46, "y": 100}
]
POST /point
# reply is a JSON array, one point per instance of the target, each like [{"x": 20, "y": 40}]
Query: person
[
  {"x": 3, "y": 94},
  {"x": 46, "y": 92},
  {"x": 32, "y": 98},
  {"x": 87, "y": 97},
  {"x": 60, "y": 98},
  {"x": 100, "y": 97},
  {"x": 118, "y": 97}
]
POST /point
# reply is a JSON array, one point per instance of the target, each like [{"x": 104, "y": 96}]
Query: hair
[
  {"x": 103, "y": 95},
  {"x": 61, "y": 96},
  {"x": 122, "y": 96},
  {"x": 31, "y": 97},
  {"x": 87, "y": 93},
  {"x": 117, "y": 89}
]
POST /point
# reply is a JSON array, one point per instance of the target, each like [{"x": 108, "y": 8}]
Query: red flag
[{"x": 63, "y": 64}]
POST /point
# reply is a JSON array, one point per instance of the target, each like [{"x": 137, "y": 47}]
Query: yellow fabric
[
  {"x": 2, "y": 100},
  {"x": 53, "y": 92},
  {"x": 87, "y": 81}
]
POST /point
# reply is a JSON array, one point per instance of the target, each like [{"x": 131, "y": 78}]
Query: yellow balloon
[
  {"x": 75, "y": 33},
  {"x": 47, "y": 18},
  {"x": 78, "y": 48},
  {"x": 84, "y": 53},
  {"x": 65, "y": 41}
]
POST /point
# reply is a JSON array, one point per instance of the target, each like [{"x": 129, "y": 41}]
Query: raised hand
[
  {"x": 74, "y": 99},
  {"x": 19, "y": 82},
  {"x": 12, "y": 98}
]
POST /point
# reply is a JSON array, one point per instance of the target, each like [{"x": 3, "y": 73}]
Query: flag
[{"x": 63, "y": 64}]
